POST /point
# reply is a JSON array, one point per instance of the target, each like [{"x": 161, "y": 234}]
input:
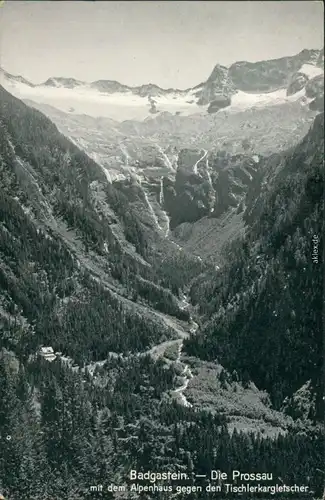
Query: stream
[
  {"x": 186, "y": 374},
  {"x": 185, "y": 377}
]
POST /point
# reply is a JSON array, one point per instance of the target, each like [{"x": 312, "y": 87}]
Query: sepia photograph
[{"x": 161, "y": 250}]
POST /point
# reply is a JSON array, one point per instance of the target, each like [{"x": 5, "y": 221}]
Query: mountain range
[{"x": 239, "y": 86}]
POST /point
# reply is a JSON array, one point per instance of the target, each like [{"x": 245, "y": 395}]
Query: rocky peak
[
  {"x": 109, "y": 86},
  {"x": 15, "y": 78},
  {"x": 218, "y": 74},
  {"x": 217, "y": 85},
  {"x": 257, "y": 77},
  {"x": 150, "y": 90},
  {"x": 58, "y": 81},
  {"x": 265, "y": 76}
]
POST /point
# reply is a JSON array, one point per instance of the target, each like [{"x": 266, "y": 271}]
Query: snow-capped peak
[{"x": 240, "y": 86}]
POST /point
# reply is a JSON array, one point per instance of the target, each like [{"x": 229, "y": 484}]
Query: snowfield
[
  {"x": 122, "y": 106},
  {"x": 310, "y": 70},
  {"x": 119, "y": 106},
  {"x": 242, "y": 100}
]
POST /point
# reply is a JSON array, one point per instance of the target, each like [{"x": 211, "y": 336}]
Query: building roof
[
  {"x": 45, "y": 350},
  {"x": 48, "y": 354}
]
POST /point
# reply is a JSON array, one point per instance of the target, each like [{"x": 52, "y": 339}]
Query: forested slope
[
  {"x": 264, "y": 309},
  {"x": 73, "y": 253}
]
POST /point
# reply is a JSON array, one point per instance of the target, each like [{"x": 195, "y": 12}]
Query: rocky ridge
[{"x": 291, "y": 73}]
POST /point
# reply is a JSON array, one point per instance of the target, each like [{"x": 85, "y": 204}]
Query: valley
[{"x": 159, "y": 241}]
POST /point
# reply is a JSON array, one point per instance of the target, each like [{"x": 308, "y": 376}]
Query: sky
[{"x": 170, "y": 43}]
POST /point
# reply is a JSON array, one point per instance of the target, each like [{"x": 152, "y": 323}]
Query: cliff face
[
  {"x": 291, "y": 73},
  {"x": 208, "y": 184}
]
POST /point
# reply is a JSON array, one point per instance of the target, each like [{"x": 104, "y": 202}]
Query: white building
[{"x": 47, "y": 353}]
